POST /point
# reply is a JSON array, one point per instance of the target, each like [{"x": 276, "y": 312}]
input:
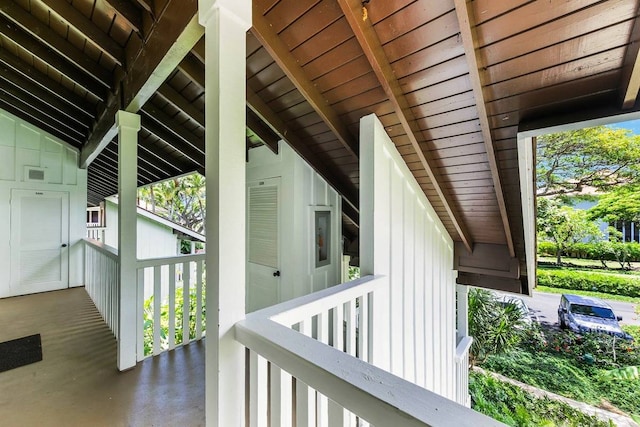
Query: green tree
[
  {"x": 599, "y": 157},
  {"x": 495, "y": 328},
  {"x": 564, "y": 225},
  {"x": 620, "y": 204}
]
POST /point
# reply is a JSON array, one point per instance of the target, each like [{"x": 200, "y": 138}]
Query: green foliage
[
  {"x": 494, "y": 328},
  {"x": 575, "y": 366},
  {"x": 600, "y": 251},
  {"x": 589, "y": 281},
  {"x": 181, "y": 200},
  {"x": 626, "y": 373},
  {"x": 564, "y": 225},
  {"x": 179, "y": 316},
  {"x": 600, "y": 295},
  {"x": 354, "y": 272},
  {"x": 600, "y": 157},
  {"x": 620, "y": 204},
  {"x": 513, "y": 406}
]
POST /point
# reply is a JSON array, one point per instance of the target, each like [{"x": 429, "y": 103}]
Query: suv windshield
[{"x": 587, "y": 310}]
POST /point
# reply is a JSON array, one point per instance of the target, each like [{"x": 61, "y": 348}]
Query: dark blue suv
[{"x": 586, "y": 314}]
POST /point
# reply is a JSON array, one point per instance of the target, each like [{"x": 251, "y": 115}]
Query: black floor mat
[{"x": 20, "y": 352}]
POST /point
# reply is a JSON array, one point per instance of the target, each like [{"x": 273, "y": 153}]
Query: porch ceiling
[{"x": 451, "y": 80}]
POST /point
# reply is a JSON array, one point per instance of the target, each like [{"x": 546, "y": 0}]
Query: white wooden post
[
  {"x": 226, "y": 23},
  {"x": 463, "y": 311},
  {"x": 128, "y": 126}
]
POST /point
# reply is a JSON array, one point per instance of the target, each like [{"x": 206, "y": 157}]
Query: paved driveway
[{"x": 545, "y": 306}]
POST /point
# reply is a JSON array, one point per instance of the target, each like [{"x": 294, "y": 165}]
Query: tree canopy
[
  {"x": 620, "y": 204},
  {"x": 599, "y": 157}
]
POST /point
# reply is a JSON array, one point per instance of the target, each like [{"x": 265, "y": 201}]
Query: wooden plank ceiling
[{"x": 451, "y": 80}]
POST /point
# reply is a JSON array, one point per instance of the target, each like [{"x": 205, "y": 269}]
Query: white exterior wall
[
  {"x": 22, "y": 144},
  {"x": 155, "y": 240},
  {"x": 402, "y": 238},
  {"x": 302, "y": 191}
]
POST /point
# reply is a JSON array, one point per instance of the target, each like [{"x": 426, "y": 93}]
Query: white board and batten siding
[
  {"x": 31, "y": 160},
  {"x": 402, "y": 238},
  {"x": 301, "y": 193}
]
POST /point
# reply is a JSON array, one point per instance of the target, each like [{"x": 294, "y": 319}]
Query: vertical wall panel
[{"x": 402, "y": 238}]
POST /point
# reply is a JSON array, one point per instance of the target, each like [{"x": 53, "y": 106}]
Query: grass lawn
[
  {"x": 600, "y": 295},
  {"x": 592, "y": 264}
]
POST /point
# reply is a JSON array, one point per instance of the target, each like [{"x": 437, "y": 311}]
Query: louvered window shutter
[{"x": 263, "y": 225}]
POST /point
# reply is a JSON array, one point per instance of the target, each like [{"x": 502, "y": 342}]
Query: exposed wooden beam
[
  {"x": 365, "y": 33},
  {"x": 262, "y": 130},
  {"x": 469, "y": 41},
  {"x": 630, "y": 84},
  {"x": 11, "y": 31},
  {"x": 52, "y": 40},
  {"x": 194, "y": 69},
  {"x": 267, "y": 115},
  {"x": 180, "y": 102},
  {"x": 279, "y": 51},
  {"x": 127, "y": 11},
  {"x": 28, "y": 78},
  {"x": 74, "y": 18},
  {"x": 198, "y": 50},
  {"x": 171, "y": 38}
]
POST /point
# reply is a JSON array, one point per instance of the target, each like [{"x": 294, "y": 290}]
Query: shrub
[
  {"x": 597, "y": 250},
  {"x": 589, "y": 281},
  {"x": 513, "y": 406}
]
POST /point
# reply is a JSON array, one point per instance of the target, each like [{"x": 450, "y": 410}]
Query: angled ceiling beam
[
  {"x": 268, "y": 116},
  {"x": 194, "y": 69},
  {"x": 469, "y": 42},
  {"x": 265, "y": 34},
  {"x": 171, "y": 38},
  {"x": 12, "y": 32},
  {"x": 52, "y": 40},
  {"x": 72, "y": 16},
  {"x": 262, "y": 131},
  {"x": 127, "y": 11},
  {"x": 372, "y": 48},
  {"x": 630, "y": 84}
]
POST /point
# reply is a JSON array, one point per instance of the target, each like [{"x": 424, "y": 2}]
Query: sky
[{"x": 633, "y": 125}]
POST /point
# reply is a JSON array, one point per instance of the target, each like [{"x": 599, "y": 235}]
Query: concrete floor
[{"x": 77, "y": 383}]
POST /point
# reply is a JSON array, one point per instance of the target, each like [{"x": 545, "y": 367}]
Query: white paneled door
[
  {"x": 263, "y": 243},
  {"x": 39, "y": 241}
]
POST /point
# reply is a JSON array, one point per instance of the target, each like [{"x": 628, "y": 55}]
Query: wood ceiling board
[
  {"x": 414, "y": 76},
  {"x": 469, "y": 176},
  {"x": 193, "y": 69},
  {"x": 75, "y": 19},
  {"x": 579, "y": 47},
  {"x": 465, "y": 168},
  {"x": 282, "y": 14},
  {"x": 444, "y": 105},
  {"x": 443, "y": 52},
  {"x": 403, "y": 18},
  {"x": 58, "y": 44},
  {"x": 323, "y": 138},
  {"x": 352, "y": 89},
  {"x": 459, "y": 161},
  {"x": 441, "y": 91},
  {"x": 337, "y": 58},
  {"x": 180, "y": 102},
  {"x": 453, "y": 141},
  {"x": 373, "y": 96},
  {"x": 384, "y": 9},
  {"x": 158, "y": 123},
  {"x": 50, "y": 58},
  {"x": 286, "y": 61},
  {"x": 258, "y": 61},
  {"x": 343, "y": 73},
  {"x": 370, "y": 43},
  {"x": 310, "y": 23},
  {"x": 455, "y": 129},
  {"x": 485, "y": 10},
  {"x": 441, "y": 32},
  {"x": 532, "y": 16},
  {"x": 323, "y": 42},
  {"x": 380, "y": 109},
  {"x": 568, "y": 72},
  {"x": 464, "y": 114},
  {"x": 601, "y": 15},
  {"x": 276, "y": 89}
]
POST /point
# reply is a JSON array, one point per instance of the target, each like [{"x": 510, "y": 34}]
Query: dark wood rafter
[
  {"x": 194, "y": 69},
  {"x": 127, "y": 11},
  {"x": 372, "y": 48},
  {"x": 177, "y": 100},
  {"x": 85, "y": 26},
  {"x": 175, "y": 32},
  {"x": 53, "y": 41},
  {"x": 630, "y": 84},
  {"x": 12, "y": 32},
  {"x": 262, "y": 131},
  {"x": 267, "y": 115},
  {"x": 264, "y": 32},
  {"x": 466, "y": 23}
]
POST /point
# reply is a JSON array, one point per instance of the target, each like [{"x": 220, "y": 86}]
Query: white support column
[
  {"x": 463, "y": 311},
  {"x": 226, "y": 23},
  {"x": 128, "y": 126}
]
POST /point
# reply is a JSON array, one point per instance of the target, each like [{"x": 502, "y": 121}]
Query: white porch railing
[
  {"x": 462, "y": 371},
  {"x": 302, "y": 363},
  {"x": 96, "y": 233},
  {"x": 171, "y": 301},
  {"x": 101, "y": 280}
]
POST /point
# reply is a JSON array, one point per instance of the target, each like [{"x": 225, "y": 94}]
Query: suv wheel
[{"x": 561, "y": 322}]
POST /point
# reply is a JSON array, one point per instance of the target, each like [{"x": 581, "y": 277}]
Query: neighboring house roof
[
  {"x": 177, "y": 228},
  {"x": 452, "y": 81}
]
